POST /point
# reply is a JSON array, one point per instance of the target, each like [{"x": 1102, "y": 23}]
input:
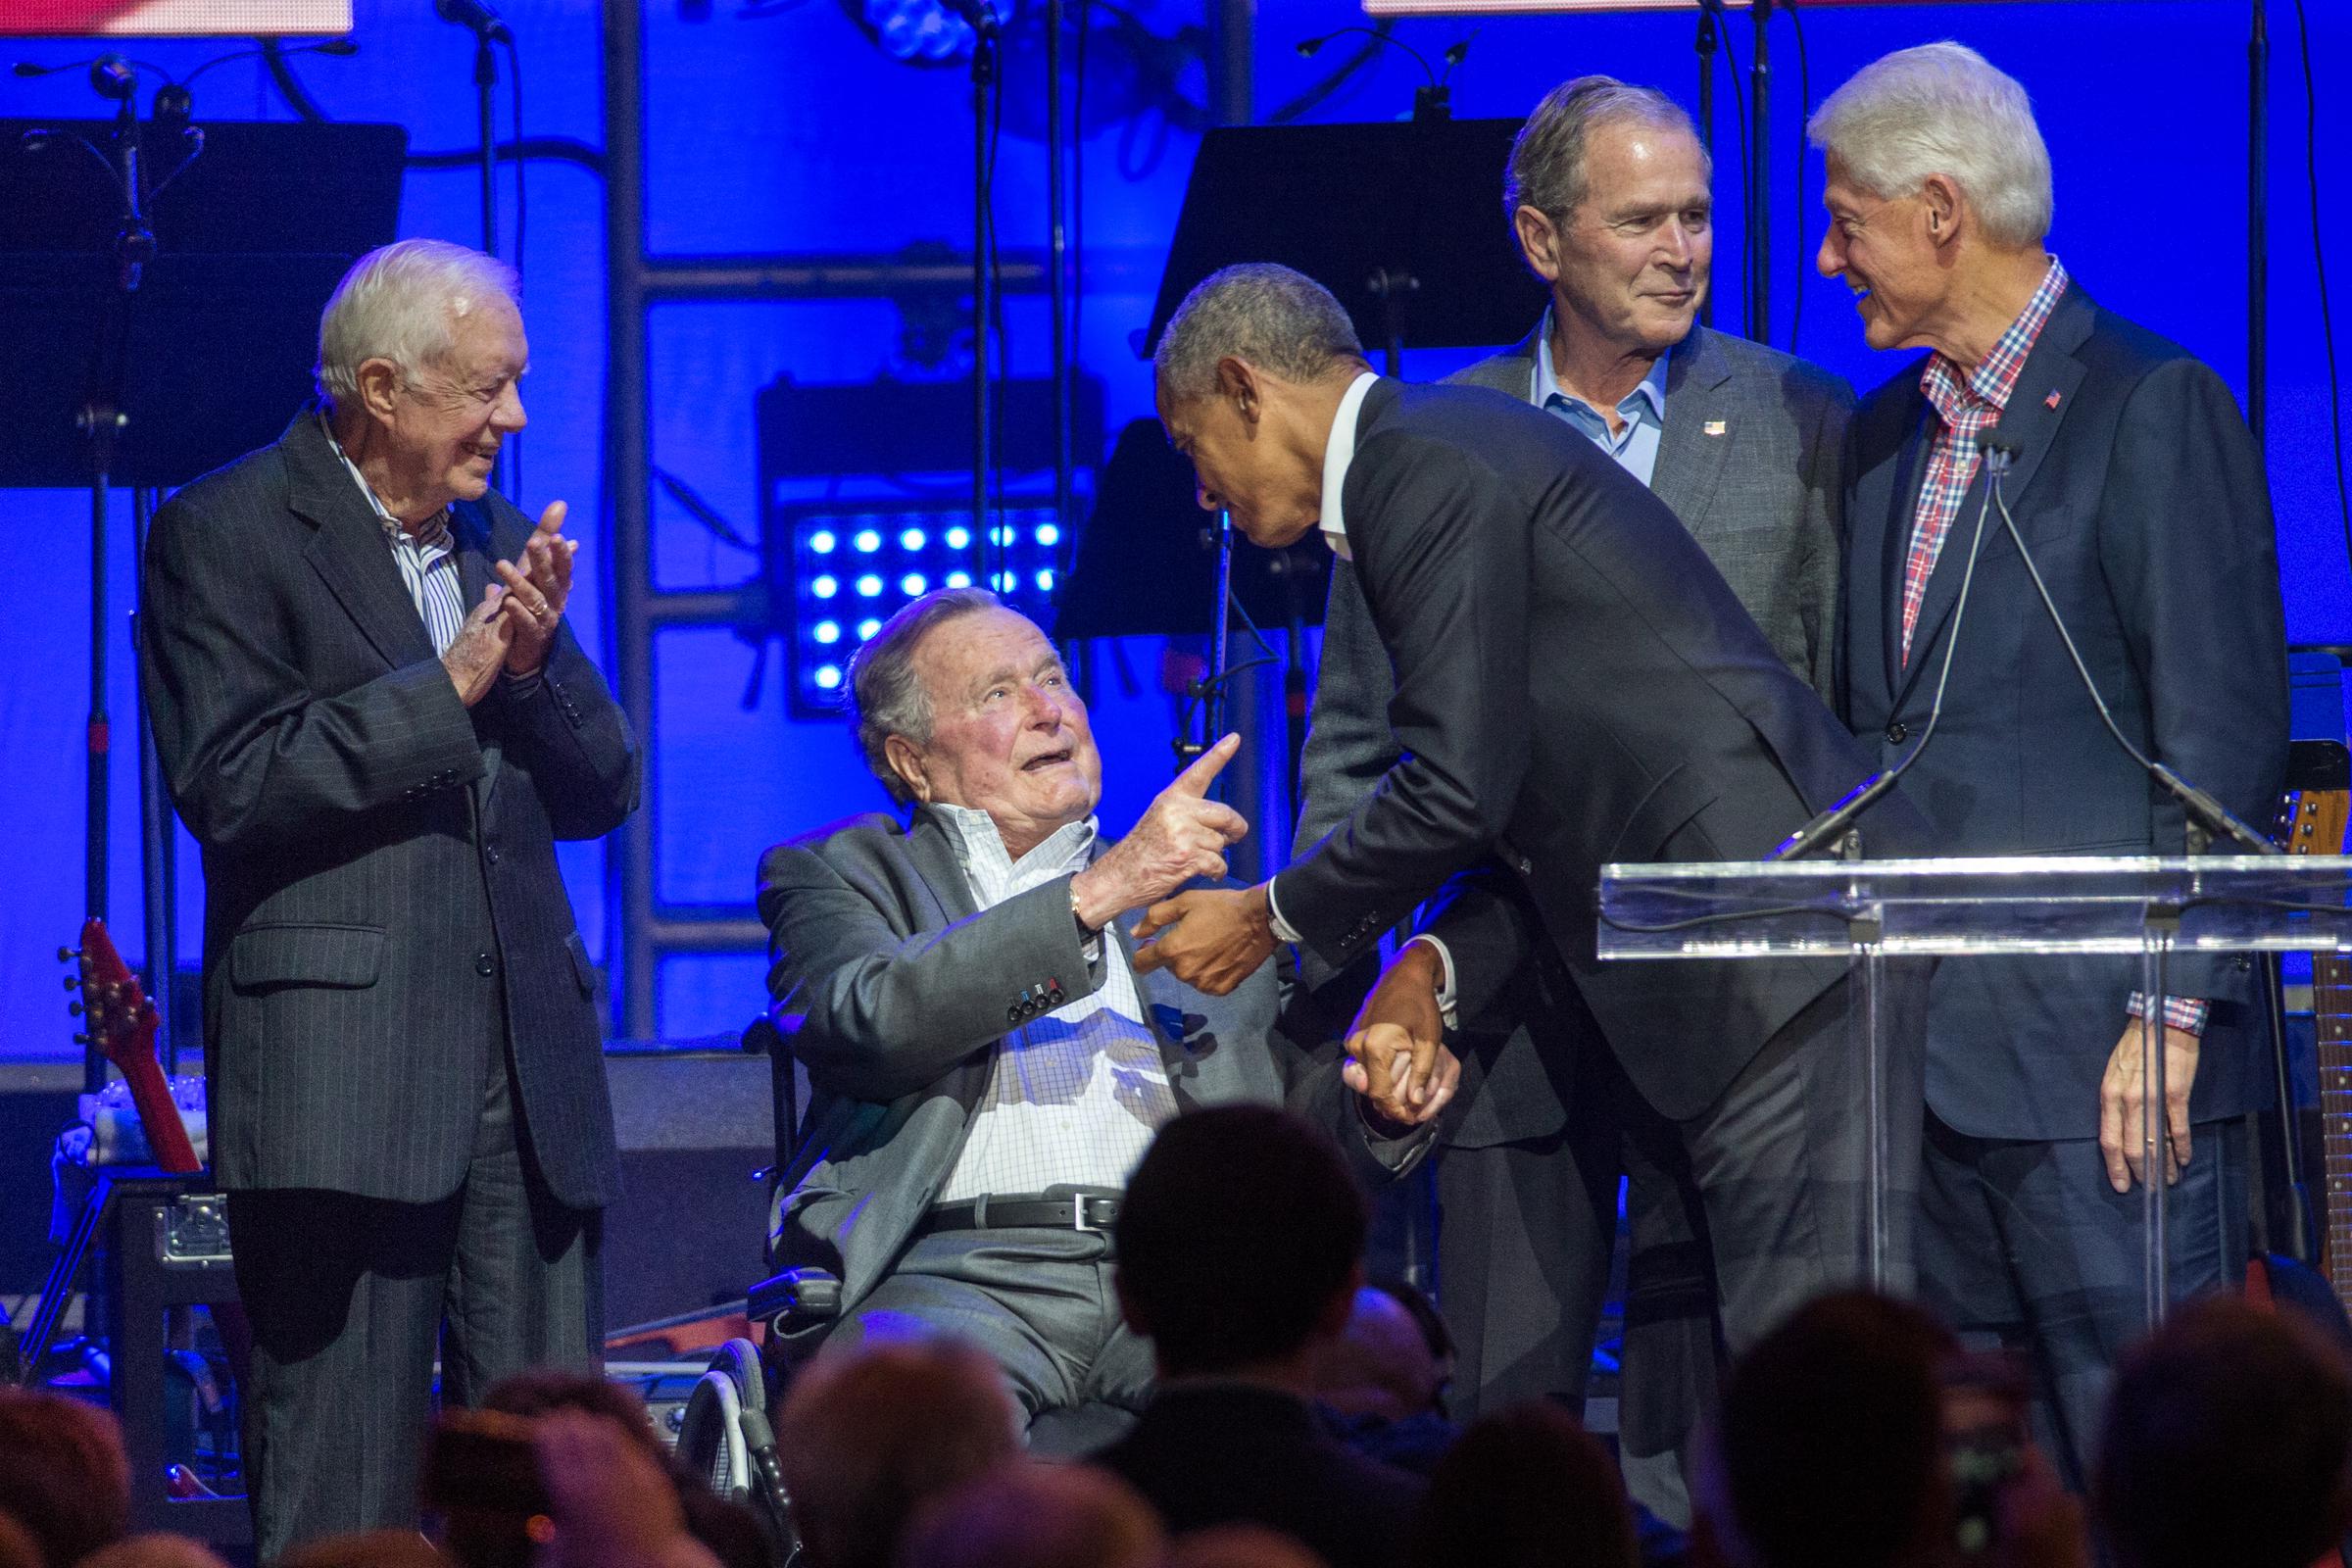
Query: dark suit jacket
[
  {"x": 1575, "y": 685},
  {"x": 2142, "y": 496},
  {"x": 905, "y": 989},
  {"x": 1763, "y": 497},
  {"x": 1232, "y": 1453},
  {"x": 382, "y": 908}
]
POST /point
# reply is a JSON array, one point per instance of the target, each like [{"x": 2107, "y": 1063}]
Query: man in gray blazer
[
  {"x": 1607, "y": 192},
  {"x": 402, "y": 1041},
  {"x": 987, "y": 1067}
]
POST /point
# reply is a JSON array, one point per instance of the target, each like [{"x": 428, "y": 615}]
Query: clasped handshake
[
  {"x": 1216, "y": 938},
  {"x": 515, "y": 625}
]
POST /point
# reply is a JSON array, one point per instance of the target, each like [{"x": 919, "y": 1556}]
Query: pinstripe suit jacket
[
  {"x": 1764, "y": 499},
  {"x": 383, "y": 915},
  {"x": 905, "y": 989}
]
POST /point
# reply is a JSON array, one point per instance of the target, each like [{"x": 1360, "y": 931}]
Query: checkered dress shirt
[
  {"x": 1967, "y": 404},
  {"x": 1073, "y": 1097}
]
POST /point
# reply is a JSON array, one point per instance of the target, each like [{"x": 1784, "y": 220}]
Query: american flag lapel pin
[
  {"x": 2051, "y": 401},
  {"x": 1715, "y": 427}
]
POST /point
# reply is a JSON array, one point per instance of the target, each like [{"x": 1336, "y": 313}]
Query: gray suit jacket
[
  {"x": 1764, "y": 499},
  {"x": 384, "y": 913},
  {"x": 906, "y": 989}
]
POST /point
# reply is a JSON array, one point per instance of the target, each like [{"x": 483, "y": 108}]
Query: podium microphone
[
  {"x": 1830, "y": 825},
  {"x": 2208, "y": 818}
]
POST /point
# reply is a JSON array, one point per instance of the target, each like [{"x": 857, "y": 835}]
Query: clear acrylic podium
[{"x": 1875, "y": 911}]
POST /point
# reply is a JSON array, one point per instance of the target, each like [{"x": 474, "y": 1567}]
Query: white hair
[
  {"x": 402, "y": 303},
  {"x": 1942, "y": 109}
]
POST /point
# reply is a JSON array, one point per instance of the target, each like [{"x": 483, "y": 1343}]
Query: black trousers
[
  {"x": 2024, "y": 1246},
  {"x": 350, "y": 1297}
]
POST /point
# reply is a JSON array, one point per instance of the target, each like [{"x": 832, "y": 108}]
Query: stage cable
[
  {"x": 1731, "y": 63},
  {"x": 987, "y": 526},
  {"x": 521, "y": 210},
  {"x": 2319, "y": 260},
  {"x": 1077, "y": 248},
  {"x": 1804, "y": 102}
]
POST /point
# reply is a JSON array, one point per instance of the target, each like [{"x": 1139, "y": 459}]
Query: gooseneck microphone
[
  {"x": 475, "y": 14},
  {"x": 2208, "y": 818},
  {"x": 1830, "y": 825}
]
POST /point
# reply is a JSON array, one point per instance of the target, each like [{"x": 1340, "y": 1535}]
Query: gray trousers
[
  {"x": 1765, "y": 1192},
  {"x": 351, "y": 1297},
  {"x": 1041, "y": 1304}
]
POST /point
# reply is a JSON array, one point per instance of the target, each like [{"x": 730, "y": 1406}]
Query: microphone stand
[
  {"x": 103, "y": 421},
  {"x": 485, "y": 84},
  {"x": 985, "y": 65},
  {"x": 1706, "y": 45},
  {"x": 1834, "y": 824}
]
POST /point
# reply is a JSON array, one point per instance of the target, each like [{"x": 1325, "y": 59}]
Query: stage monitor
[{"x": 174, "y": 18}]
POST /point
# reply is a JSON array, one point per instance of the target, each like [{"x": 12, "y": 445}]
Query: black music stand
[
  {"x": 1403, "y": 220},
  {"x": 149, "y": 375},
  {"x": 224, "y": 330}
]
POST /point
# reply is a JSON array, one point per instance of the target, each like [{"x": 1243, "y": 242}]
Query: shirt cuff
[
  {"x": 1283, "y": 930},
  {"x": 2185, "y": 1014},
  {"x": 1447, "y": 1009}
]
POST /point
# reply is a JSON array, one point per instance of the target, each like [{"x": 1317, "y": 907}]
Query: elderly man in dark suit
[
  {"x": 2142, "y": 496},
  {"x": 402, "y": 1036},
  {"x": 1607, "y": 193},
  {"x": 1575, "y": 685},
  {"x": 988, "y": 1066}
]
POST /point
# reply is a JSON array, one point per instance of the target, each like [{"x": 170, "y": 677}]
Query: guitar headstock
[
  {"x": 117, "y": 1016},
  {"x": 2313, "y": 821}
]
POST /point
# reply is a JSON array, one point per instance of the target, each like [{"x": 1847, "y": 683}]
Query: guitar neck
[
  {"x": 158, "y": 1116},
  {"x": 2331, "y": 1013}
]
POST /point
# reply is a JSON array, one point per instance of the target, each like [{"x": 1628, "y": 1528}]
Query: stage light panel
[{"x": 877, "y": 555}]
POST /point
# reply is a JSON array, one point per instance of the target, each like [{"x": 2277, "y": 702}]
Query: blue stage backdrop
[{"x": 783, "y": 128}]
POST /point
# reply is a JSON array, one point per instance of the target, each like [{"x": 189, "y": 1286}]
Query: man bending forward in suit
[
  {"x": 1575, "y": 685},
  {"x": 1607, "y": 194},
  {"x": 400, "y": 1035},
  {"x": 988, "y": 1069}
]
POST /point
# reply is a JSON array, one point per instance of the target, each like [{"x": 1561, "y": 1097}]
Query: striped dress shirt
[
  {"x": 428, "y": 558},
  {"x": 1075, "y": 1096}
]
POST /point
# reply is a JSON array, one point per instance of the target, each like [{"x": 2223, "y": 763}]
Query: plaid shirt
[{"x": 1967, "y": 404}]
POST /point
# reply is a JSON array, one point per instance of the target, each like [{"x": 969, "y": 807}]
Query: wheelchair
[{"x": 725, "y": 1436}]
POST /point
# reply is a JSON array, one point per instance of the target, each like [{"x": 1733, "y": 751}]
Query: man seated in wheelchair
[{"x": 988, "y": 1058}]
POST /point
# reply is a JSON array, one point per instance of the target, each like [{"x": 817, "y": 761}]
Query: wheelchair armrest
[{"x": 794, "y": 1299}]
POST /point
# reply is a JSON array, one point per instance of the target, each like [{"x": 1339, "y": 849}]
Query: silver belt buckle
[{"x": 1078, "y": 1220}]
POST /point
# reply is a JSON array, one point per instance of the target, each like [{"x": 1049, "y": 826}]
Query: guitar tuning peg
[
  {"x": 67, "y": 955},
  {"x": 81, "y": 1040},
  {"x": 74, "y": 1008},
  {"x": 73, "y": 982}
]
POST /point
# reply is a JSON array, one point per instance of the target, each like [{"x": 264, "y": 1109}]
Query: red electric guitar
[{"x": 120, "y": 1021}]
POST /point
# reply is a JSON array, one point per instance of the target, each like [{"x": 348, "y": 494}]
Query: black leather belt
[{"x": 1068, "y": 1211}]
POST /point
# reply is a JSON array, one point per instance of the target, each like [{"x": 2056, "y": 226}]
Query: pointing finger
[{"x": 1195, "y": 779}]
